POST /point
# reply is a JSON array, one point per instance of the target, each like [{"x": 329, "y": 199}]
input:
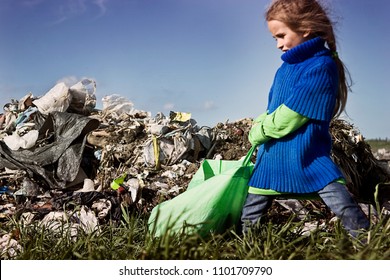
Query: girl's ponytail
[{"x": 344, "y": 76}]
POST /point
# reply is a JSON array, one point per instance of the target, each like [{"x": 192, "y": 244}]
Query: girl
[{"x": 309, "y": 89}]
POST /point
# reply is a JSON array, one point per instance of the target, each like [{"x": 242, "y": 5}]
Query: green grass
[
  {"x": 130, "y": 240},
  {"x": 377, "y": 144}
]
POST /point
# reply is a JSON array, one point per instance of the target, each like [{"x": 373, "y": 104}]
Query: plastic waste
[
  {"x": 89, "y": 186},
  {"x": 116, "y": 104},
  {"x": 211, "y": 203},
  {"x": 27, "y": 141},
  {"x": 64, "y": 150},
  {"x": 116, "y": 183},
  {"x": 158, "y": 129},
  {"x": 83, "y": 97},
  {"x": 102, "y": 207},
  {"x": 25, "y": 102},
  {"x": 9, "y": 247},
  {"x": 25, "y": 116},
  {"x": 179, "y": 116},
  {"x": 28, "y": 188},
  {"x": 56, "y": 99},
  {"x": 98, "y": 154},
  {"x": 133, "y": 188},
  {"x": 6, "y": 190}
]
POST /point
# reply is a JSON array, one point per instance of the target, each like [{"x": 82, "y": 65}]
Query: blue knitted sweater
[{"x": 300, "y": 162}]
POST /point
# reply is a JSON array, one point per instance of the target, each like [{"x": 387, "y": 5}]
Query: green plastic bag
[{"x": 212, "y": 202}]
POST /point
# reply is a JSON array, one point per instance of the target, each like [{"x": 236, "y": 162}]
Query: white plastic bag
[
  {"x": 27, "y": 141},
  {"x": 56, "y": 99},
  {"x": 83, "y": 96},
  {"x": 116, "y": 104}
]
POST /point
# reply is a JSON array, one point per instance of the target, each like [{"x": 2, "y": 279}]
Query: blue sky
[{"x": 212, "y": 58}]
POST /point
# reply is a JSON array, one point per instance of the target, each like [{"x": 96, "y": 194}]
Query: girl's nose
[{"x": 279, "y": 45}]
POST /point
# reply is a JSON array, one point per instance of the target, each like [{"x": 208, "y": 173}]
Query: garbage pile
[
  {"x": 365, "y": 173},
  {"x": 59, "y": 153}
]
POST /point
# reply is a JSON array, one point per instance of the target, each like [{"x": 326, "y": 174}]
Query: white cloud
[
  {"x": 31, "y": 3},
  {"x": 69, "y": 9},
  {"x": 101, "y": 5},
  {"x": 169, "y": 106},
  {"x": 209, "y": 105}
]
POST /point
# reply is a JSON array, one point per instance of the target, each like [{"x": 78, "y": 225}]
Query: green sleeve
[
  {"x": 260, "y": 118},
  {"x": 278, "y": 124}
]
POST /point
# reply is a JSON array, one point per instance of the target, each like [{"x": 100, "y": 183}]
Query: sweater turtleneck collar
[{"x": 305, "y": 50}]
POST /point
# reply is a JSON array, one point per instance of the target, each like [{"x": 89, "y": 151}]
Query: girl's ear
[{"x": 306, "y": 34}]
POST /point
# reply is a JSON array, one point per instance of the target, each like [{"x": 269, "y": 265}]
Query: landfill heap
[
  {"x": 367, "y": 175},
  {"x": 59, "y": 154}
]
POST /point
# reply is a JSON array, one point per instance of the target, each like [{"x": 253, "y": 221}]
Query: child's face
[{"x": 286, "y": 38}]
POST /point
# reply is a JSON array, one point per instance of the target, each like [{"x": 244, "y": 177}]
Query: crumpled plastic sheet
[
  {"x": 71, "y": 222},
  {"x": 57, "y": 162}
]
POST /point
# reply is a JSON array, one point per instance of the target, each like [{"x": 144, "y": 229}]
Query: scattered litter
[{"x": 9, "y": 247}]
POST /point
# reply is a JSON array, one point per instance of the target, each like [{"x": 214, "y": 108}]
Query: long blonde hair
[{"x": 308, "y": 15}]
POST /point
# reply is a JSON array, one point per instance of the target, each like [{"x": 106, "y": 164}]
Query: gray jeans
[{"x": 334, "y": 195}]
